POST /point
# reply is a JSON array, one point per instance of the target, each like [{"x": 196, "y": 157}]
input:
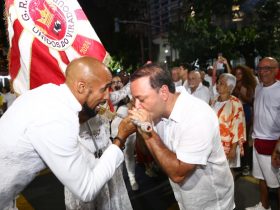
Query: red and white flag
[{"x": 44, "y": 36}]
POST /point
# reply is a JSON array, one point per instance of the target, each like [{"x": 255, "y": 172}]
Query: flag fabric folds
[{"x": 44, "y": 36}]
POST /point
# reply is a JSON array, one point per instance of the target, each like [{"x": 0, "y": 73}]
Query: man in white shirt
[
  {"x": 266, "y": 130},
  {"x": 196, "y": 88},
  {"x": 46, "y": 134},
  {"x": 183, "y": 73},
  {"x": 186, "y": 142},
  {"x": 175, "y": 73}
]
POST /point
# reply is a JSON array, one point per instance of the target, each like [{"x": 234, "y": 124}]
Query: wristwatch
[{"x": 122, "y": 141}]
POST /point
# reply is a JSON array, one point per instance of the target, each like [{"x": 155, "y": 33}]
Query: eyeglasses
[
  {"x": 266, "y": 68},
  {"x": 116, "y": 82}
]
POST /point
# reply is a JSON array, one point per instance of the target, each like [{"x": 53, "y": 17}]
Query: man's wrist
[{"x": 120, "y": 142}]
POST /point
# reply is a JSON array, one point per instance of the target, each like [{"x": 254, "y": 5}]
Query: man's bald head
[
  {"x": 85, "y": 68},
  {"x": 268, "y": 68},
  {"x": 88, "y": 79},
  {"x": 195, "y": 74},
  {"x": 272, "y": 61}
]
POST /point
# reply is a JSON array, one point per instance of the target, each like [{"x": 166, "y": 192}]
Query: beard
[{"x": 86, "y": 113}]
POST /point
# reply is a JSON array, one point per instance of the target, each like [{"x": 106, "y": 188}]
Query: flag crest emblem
[
  {"x": 45, "y": 36},
  {"x": 51, "y": 22}
]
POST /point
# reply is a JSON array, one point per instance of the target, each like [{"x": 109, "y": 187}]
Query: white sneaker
[{"x": 257, "y": 207}]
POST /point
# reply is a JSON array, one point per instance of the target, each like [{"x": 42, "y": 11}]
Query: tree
[
  {"x": 124, "y": 45},
  {"x": 198, "y": 35},
  {"x": 245, "y": 44},
  {"x": 267, "y": 23},
  {"x": 211, "y": 30}
]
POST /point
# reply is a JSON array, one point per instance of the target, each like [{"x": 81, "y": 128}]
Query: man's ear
[
  {"x": 164, "y": 92},
  {"x": 81, "y": 87}
]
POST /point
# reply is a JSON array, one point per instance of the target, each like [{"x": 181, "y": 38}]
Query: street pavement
[{"x": 46, "y": 193}]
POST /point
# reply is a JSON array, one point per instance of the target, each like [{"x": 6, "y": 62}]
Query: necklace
[{"x": 98, "y": 152}]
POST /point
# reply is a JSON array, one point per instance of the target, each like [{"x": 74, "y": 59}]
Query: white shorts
[{"x": 262, "y": 169}]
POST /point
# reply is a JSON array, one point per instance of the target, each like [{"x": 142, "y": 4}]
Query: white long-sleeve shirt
[
  {"x": 41, "y": 128},
  {"x": 117, "y": 96}
]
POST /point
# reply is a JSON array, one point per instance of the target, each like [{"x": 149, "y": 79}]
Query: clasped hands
[{"x": 133, "y": 122}]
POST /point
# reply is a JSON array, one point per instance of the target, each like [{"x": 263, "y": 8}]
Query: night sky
[{"x": 101, "y": 14}]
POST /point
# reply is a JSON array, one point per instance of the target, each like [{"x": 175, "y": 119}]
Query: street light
[{"x": 237, "y": 14}]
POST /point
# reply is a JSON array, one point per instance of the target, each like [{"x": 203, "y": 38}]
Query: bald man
[
  {"x": 196, "y": 88},
  {"x": 41, "y": 130},
  {"x": 266, "y": 131}
]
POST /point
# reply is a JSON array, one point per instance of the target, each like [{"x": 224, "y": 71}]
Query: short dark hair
[
  {"x": 186, "y": 66},
  {"x": 157, "y": 75}
]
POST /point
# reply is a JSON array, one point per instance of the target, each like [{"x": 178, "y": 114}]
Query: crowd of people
[
  {"x": 202, "y": 125},
  {"x": 247, "y": 106}
]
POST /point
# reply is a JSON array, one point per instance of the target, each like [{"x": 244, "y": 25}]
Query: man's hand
[
  {"x": 275, "y": 157},
  {"x": 142, "y": 117},
  {"x": 224, "y": 60},
  {"x": 275, "y": 160},
  {"x": 232, "y": 154},
  {"x": 126, "y": 128}
]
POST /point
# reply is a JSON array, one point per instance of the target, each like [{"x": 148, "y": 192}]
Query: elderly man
[
  {"x": 193, "y": 160},
  {"x": 196, "y": 88},
  {"x": 266, "y": 130},
  {"x": 46, "y": 133}
]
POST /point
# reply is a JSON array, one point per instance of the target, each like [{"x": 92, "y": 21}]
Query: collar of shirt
[
  {"x": 73, "y": 102},
  {"x": 180, "y": 105},
  {"x": 197, "y": 89},
  {"x": 271, "y": 86}
]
